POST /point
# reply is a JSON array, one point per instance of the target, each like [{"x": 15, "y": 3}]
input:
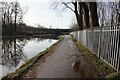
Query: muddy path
[{"x": 64, "y": 62}]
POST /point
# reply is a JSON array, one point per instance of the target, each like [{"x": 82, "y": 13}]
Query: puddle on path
[{"x": 76, "y": 66}]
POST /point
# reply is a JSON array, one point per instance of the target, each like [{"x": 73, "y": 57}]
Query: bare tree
[
  {"x": 119, "y": 14},
  {"x": 73, "y": 6},
  {"x": 40, "y": 27},
  {"x": 12, "y": 15},
  {"x": 3, "y": 9},
  {"x": 85, "y": 12},
  {"x": 74, "y": 27},
  {"x": 18, "y": 14},
  {"x": 93, "y": 14},
  {"x": 109, "y": 13}
]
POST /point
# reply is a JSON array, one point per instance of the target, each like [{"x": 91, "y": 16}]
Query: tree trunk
[
  {"x": 119, "y": 15},
  {"x": 93, "y": 14},
  {"x": 15, "y": 22},
  {"x": 81, "y": 15},
  {"x": 78, "y": 16},
  {"x": 4, "y": 20},
  {"x": 86, "y": 15}
]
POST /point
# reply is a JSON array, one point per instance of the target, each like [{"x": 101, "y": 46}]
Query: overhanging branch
[{"x": 66, "y": 4}]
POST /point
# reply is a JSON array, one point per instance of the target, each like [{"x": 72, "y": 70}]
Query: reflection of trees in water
[
  {"x": 12, "y": 52},
  {"x": 50, "y": 40},
  {"x": 40, "y": 39}
]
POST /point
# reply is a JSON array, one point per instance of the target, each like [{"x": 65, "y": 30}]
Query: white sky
[{"x": 41, "y": 12}]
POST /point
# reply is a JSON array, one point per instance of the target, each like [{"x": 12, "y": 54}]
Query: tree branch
[{"x": 68, "y": 6}]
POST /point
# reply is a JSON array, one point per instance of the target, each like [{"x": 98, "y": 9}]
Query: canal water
[{"x": 15, "y": 51}]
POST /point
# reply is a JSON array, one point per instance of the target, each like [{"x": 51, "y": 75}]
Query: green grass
[
  {"x": 107, "y": 71},
  {"x": 113, "y": 76},
  {"x": 18, "y": 73}
]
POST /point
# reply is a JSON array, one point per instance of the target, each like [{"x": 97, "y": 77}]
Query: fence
[{"x": 104, "y": 42}]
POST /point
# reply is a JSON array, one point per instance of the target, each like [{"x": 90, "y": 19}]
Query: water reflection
[
  {"x": 12, "y": 52},
  {"x": 15, "y": 51}
]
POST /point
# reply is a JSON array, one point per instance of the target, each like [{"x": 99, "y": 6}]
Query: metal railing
[{"x": 104, "y": 42}]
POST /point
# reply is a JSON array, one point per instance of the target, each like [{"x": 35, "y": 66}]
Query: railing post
[
  {"x": 86, "y": 38},
  {"x": 118, "y": 67},
  {"x": 99, "y": 44}
]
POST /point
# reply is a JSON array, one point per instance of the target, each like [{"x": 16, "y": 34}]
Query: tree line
[
  {"x": 12, "y": 21},
  {"x": 12, "y": 17}
]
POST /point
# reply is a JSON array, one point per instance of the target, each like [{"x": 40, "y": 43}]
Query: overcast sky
[{"x": 41, "y": 12}]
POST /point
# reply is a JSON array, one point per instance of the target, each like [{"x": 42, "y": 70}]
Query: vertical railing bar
[
  {"x": 108, "y": 53},
  {"x": 110, "y": 44},
  {"x": 99, "y": 43},
  {"x": 104, "y": 41},
  {"x": 106, "y": 44},
  {"x": 116, "y": 37},
  {"x": 104, "y": 48},
  {"x": 118, "y": 52},
  {"x": 113, "y": 45}
]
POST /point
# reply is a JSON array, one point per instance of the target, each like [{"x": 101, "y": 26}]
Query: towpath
[{"x": 64, "y": 62}]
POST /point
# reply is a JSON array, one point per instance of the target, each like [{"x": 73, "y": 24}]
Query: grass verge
[
  {"x": 104, "y": 68},
  {"x": 18, "y": 73}
]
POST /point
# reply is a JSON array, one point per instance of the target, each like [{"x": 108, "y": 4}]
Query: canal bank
[
  {"x": 21, "y": 71},
  {"x": 15, "y": 51},
  {"x": 67, "y": 59},
  {"x": 65, "y": 62}
]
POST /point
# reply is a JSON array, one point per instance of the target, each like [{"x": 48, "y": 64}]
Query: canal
[{"x": 15, "y": 51}]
